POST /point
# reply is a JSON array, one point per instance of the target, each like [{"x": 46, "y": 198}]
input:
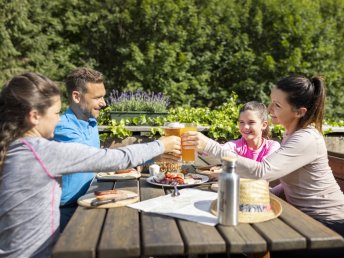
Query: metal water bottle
[{"x": 228, "y": 193}]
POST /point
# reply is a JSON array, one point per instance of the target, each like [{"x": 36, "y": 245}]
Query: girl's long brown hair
[{"x": 18, "y": 97}]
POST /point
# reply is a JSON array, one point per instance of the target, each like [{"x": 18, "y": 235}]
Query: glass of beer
[
  {"x": 172, "y": 128},
  {"x": 188, "y": 154}
]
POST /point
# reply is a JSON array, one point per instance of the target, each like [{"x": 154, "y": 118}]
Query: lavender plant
[{"x": 137, "y": 101}]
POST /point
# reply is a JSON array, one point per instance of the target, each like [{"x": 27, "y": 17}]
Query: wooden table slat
[
  {"x": 207, "y": 240},
  {"x": 243, "y": 239},
  {"x": 121, "y": 238},
  {"x": 155, "y": 240},
  {"x": 318, "y": 235},
  {"x": 85, "y": 222},
  {"x": 208, "y": 160},
  {"x": 280, "y": 236}
]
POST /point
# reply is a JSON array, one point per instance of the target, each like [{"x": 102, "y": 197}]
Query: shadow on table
[{"x": 321, "y": 253}]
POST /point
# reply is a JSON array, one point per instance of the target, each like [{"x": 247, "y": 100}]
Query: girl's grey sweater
[{"x": 30, "y": 191}]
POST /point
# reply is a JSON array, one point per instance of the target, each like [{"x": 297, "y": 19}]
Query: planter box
[{"x": 118, "y": 115}]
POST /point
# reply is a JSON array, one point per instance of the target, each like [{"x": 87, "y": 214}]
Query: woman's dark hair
[
  {"x": 308, "y": 93},
  {"x": 18, "y": 97},
  {"x": 262, "y": 113}
]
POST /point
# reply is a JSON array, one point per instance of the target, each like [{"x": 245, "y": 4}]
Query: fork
[{"x": 175, "y": 192}]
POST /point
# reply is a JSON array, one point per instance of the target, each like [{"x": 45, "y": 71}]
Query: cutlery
[
  {"x": 208, "y": 166},
  {"x": 96, "y": 202},
  {"x": 175, "y": 191}
]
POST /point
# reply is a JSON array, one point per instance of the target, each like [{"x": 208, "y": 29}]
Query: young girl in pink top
[{"x": 254, "y": 129}]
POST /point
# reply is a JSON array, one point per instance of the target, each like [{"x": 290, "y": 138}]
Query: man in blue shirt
[{"x": 86, "y": 91}]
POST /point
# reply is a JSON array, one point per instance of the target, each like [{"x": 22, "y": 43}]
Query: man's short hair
[{"x": 77, "y": 80}]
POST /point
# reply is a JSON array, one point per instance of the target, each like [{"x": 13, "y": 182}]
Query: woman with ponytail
[
  {"x": 301, "y": 163},
  {"x": 31, "y": 166}
]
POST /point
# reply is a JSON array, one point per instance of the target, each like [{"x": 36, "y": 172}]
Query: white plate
[{"x": 202, "y": 180}]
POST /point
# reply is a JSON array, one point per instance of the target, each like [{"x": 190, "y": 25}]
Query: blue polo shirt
[{"x": 71, "y": 129}]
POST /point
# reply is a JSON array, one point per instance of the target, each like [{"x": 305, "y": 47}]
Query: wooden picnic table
[{"x": 126, "y": 232}]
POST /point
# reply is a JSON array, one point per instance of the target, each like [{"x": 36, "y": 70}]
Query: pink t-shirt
[{"x": 241, "y": 148}]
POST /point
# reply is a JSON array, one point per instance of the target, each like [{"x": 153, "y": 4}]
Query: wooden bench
[{"x": 337, "y": 165}]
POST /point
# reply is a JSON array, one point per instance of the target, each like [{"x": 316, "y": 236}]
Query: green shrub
[
  {"x": 195, "y": 52},
  {"x": 222, "y": 121}
]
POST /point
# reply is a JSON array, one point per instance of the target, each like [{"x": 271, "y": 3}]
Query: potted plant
[{"x": 127, "y": 105}]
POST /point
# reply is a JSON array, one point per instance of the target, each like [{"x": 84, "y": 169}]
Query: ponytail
[
  {"x": 315, "y": 111},
  {"x": 308, "y": 93}
]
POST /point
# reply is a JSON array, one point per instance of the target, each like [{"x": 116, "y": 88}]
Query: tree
[{"x": 195, "y": 51}]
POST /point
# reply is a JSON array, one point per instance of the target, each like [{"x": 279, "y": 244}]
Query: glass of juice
[{"x": 188, "y": 154}]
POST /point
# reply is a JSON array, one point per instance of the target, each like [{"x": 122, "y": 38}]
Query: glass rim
[{"x": 183, "y": 125}]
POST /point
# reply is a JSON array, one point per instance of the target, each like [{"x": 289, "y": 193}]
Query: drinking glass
[
  {"x": 188, "y": 154},
  {"x": 172, "y": 128}
]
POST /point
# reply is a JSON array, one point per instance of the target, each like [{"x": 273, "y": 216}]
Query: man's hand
[
  {"x": 172, "y": 145},
  {"x": 168, "y": 157}
]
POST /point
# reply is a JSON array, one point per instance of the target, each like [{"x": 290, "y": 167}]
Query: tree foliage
[{"x": 195, "y": 51}]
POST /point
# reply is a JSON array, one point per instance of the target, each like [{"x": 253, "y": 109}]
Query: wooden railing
[{"x": 144, "y": 128}]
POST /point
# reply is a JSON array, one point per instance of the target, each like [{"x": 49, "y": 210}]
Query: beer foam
[{"x": 175, "y": 125}]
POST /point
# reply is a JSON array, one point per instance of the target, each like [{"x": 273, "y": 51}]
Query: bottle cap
[{"x": 229, "y": 161}]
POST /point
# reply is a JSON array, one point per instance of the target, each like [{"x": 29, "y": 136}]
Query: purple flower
[{"x": 137, "y": 101}]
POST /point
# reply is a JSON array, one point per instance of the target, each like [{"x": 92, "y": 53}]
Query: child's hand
[
  {"x": 194, "y": 140},
  {"x": 172, "y": 145}
]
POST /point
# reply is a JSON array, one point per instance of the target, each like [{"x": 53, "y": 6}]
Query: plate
[
  {"x": 214, "y": 187},
  {"x": 202, "y": 180},
  {"x": 212, "y": 172},
  {"x": 208, "y": 170},
  {"x": 109, "y": 176}
]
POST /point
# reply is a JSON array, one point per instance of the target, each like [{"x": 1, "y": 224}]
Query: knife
[
  {"x": 96, "y": 202},
  {"x": 208, "y": 166}
]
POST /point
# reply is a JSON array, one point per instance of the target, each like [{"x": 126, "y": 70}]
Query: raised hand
[
  {"x": 194, "y": 140},
  {"x": 172, "y": 145}
]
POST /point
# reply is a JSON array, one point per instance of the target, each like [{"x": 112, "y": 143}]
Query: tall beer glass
[
  {"x": 172, "y": 128},
  {"x": 188, "y": 154}
]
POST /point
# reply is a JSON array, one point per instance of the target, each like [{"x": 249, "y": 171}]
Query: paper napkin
[{"x": 191, "y": 204}]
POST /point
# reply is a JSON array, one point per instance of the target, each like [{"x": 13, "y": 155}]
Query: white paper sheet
[{"x": 191, "y": 204}]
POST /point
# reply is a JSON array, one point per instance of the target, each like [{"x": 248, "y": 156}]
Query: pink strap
[
  {"x": 38, "y": 158},
  {"x": 54, "y": 183}
]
